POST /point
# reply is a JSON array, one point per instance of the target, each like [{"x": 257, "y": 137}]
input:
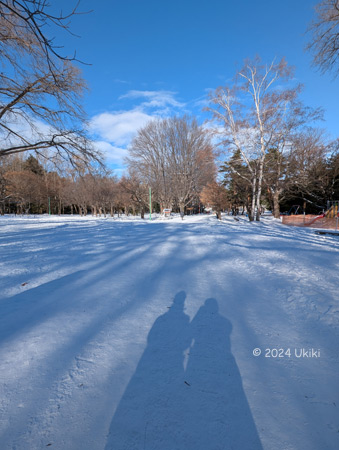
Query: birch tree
[{"x": 259, "y": 112}]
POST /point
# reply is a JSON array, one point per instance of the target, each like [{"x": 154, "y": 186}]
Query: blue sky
[{"x": 156, "y": 58}]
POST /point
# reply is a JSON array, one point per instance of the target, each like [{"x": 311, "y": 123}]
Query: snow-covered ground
[{"x": 123, "y": 334}]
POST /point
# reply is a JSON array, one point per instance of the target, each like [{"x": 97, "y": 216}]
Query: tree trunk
[
  {"x": 276, "y": 205},
  {"x": 182, "y": 208},
  {"x": 253, "y": 203},
  {"x": 261, "y": 170}
]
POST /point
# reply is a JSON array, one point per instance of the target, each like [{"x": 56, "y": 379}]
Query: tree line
[
  {"x": 28, "y": 186},
  {"x": 304, "y": 178},
  {"x": 171, "y": 160}
]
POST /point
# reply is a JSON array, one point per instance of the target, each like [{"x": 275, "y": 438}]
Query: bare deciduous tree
[
  {"x": 257, "y": 114},
  {"x": 138, "y": 191},
  {"x": 215, "y": 195},
  {"x": 30, "y": 18},
  {"x": 175, "y": 157},
  {"x": 307, "y": 169},
  {"x": 324, "y": 42},
  {"x": 40, "y": 90},
  {"x": 25, "y": 188}
]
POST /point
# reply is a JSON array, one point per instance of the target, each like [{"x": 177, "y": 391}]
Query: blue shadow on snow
[{"x": 201, "y": 408}]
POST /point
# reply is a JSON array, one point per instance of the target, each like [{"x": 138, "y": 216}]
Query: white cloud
[
  {"x": 30, "y": 131},
  {"x": 117, "y": 80},
  {"x": 155, "y": 99},
  {"x": 119, "y": 128},
  {"x": 203, "y": 101},
  {"x": 113, "y": 131},
  {"x": 112, "y": 154}
]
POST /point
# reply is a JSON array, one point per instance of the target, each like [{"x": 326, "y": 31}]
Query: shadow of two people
[{"x": 169, "y": 406}]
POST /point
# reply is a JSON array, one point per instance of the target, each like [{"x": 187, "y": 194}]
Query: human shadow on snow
[{"x": 203, "y": 407}]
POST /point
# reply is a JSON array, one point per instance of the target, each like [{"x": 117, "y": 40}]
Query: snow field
[{"x": 108, "y": 339}]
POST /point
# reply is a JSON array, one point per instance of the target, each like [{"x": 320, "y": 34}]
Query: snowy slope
[{"x": 130, "y": 334}]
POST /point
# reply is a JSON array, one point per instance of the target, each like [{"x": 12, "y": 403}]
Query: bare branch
[
  {"x": 324, "y": 40},
  {"x": 40, "y": 90}
]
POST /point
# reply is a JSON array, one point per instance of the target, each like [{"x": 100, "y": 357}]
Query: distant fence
[{"x": 312, "y": 221}]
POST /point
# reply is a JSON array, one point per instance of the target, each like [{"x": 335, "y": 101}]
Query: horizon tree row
[
  {"x": 30, "y": 186},
  {"x": 27, "y": 186},
  {"x": 306, "y": 175}
]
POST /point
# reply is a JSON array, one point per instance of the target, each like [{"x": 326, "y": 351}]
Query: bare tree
[
  {"x": 333, "y": 171},
  {"x": 23, "y": 18},
  {"x": 40, "y": 90},
  {"x": 26, "y": 189},
  {"x": 102, "y": 191},
  {"x": 137, "y": 190},
  {"x": 257, "y": 114},
  {"x": 175, "y": 158},
  {"x": 307, "y": 169},
  {"x": 191, "y": 160},
  {"x": 215, "y": 195},
  {"x": 324, "y": 42}
]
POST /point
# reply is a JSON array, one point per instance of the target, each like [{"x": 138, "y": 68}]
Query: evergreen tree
[
  {"x": 237, "y": 182},
  {"x": 33, "y": 165}
]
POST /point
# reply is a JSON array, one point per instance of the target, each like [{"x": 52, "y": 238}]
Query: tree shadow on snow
[{"x": 203, "y": 407}]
